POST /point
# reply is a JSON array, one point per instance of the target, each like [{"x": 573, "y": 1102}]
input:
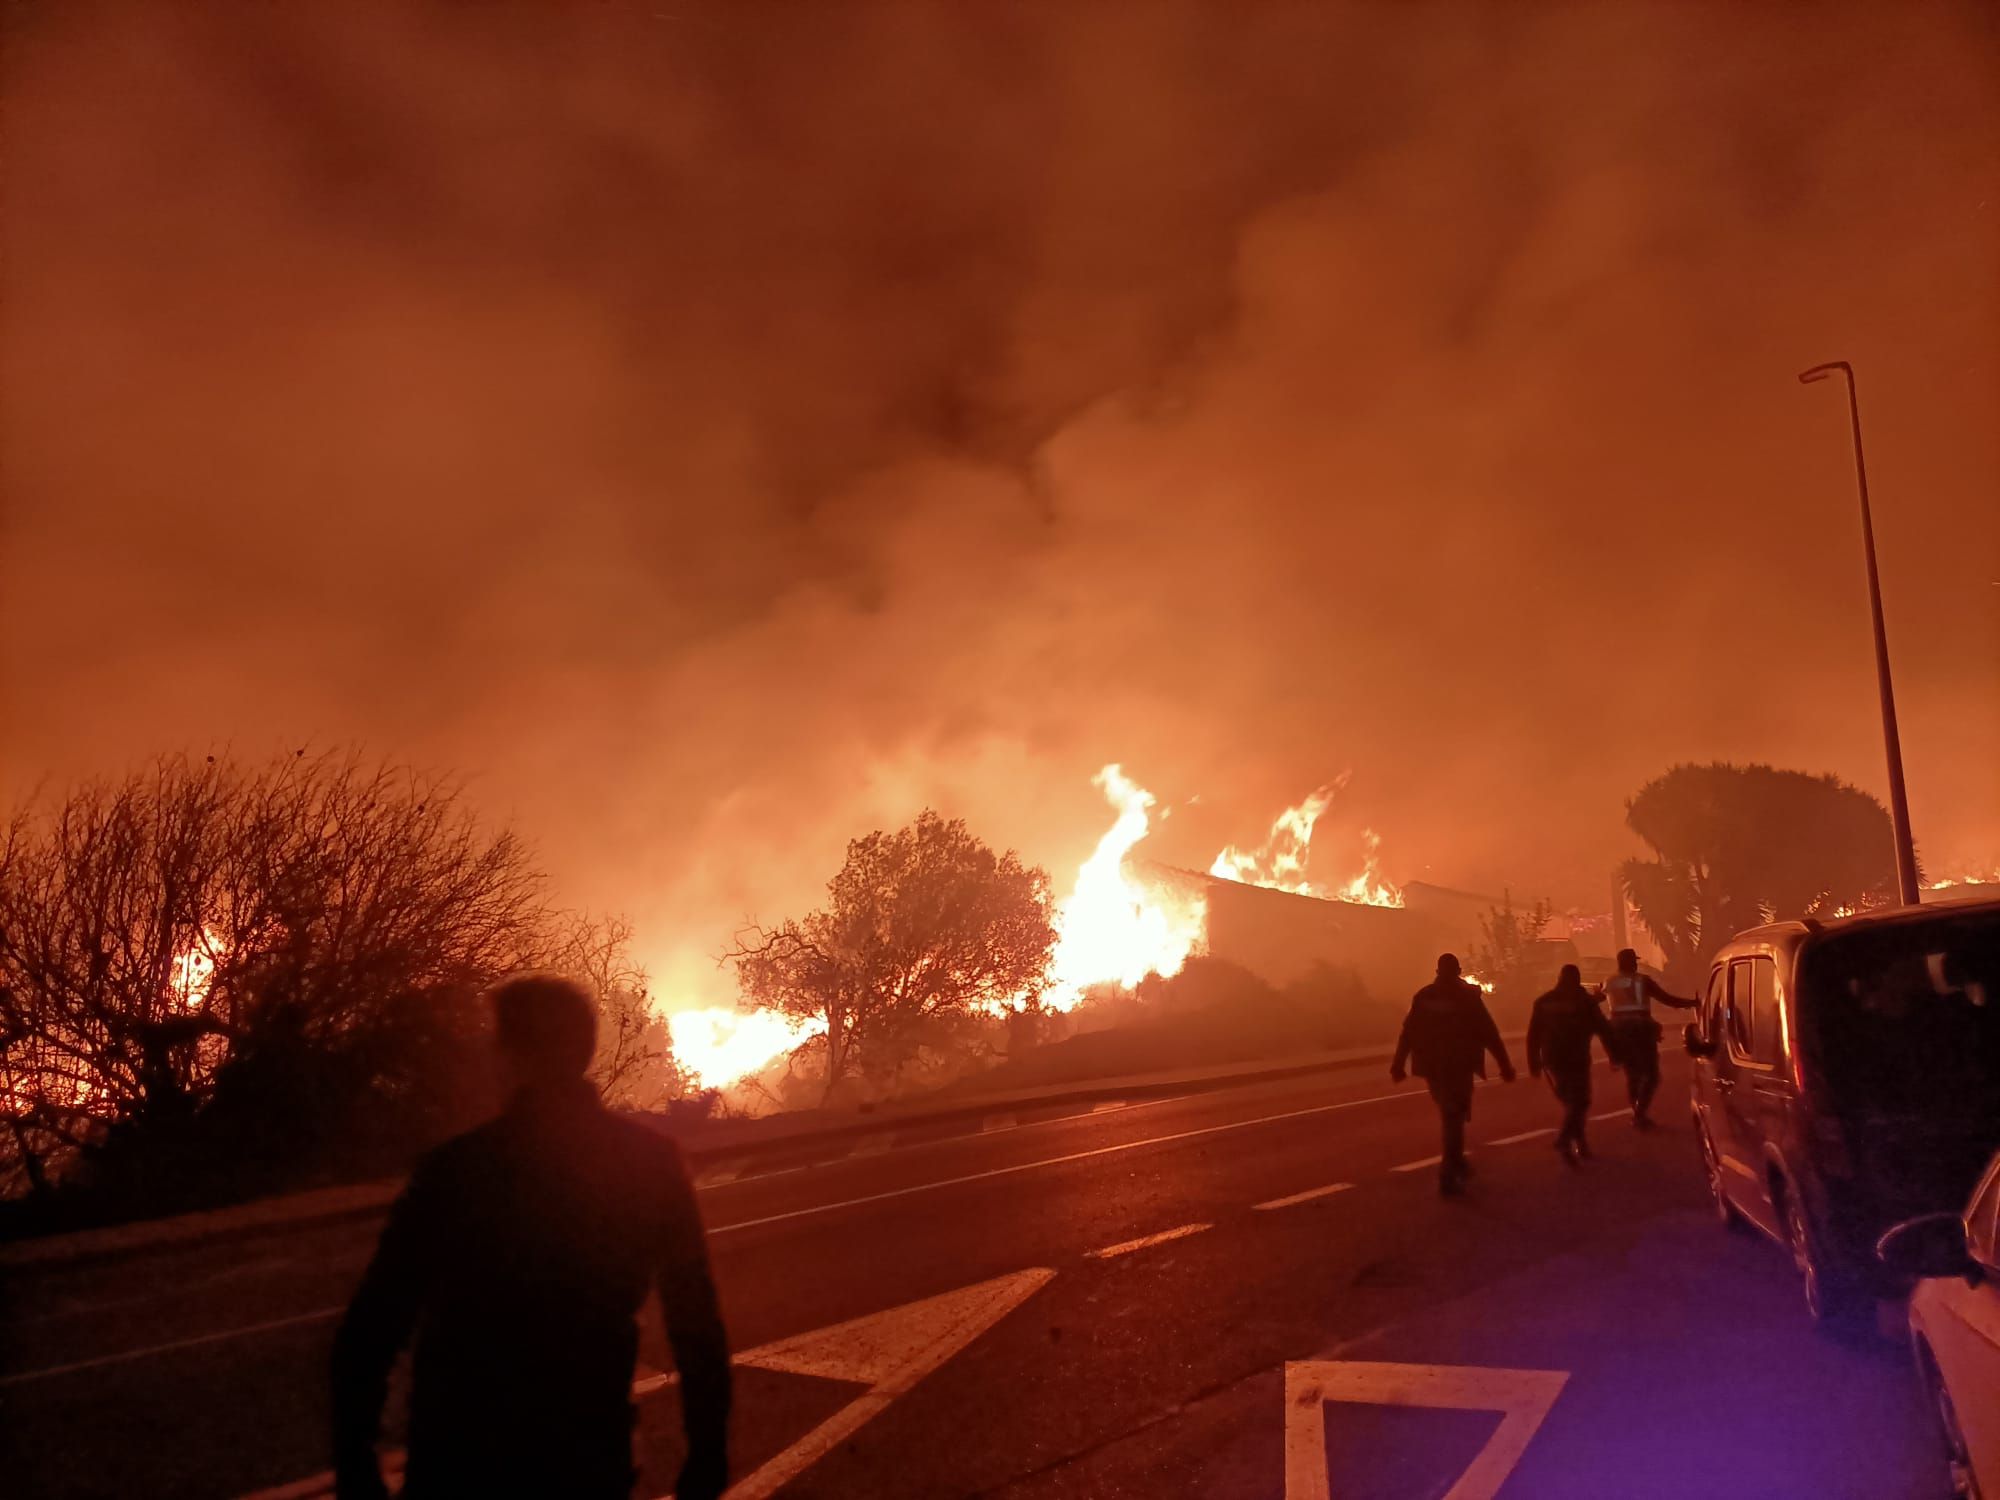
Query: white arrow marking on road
[
  {"x": 887, "y": 1351},
  {"x": 890, "y": 1352},
  {"x": 1523, "y": 1397}
]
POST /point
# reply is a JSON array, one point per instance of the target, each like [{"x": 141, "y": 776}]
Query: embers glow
[{"x": 193, "y": 972}]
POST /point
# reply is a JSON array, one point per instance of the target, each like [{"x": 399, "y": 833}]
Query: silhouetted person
[
  {"x": 1559, "y": 1033},
  {"x": 519, "y": 1255},
  {"x": 1636, "y": 1034},
  {"x": 1446, "y": 1037}
]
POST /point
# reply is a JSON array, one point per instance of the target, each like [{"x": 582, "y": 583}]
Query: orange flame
[
  {"x": 1111, "y": 929},
  {"x": 193, "y": 972},
  {"x": 1280, "y": 862},
  {"x": 720, "y": 1045}
]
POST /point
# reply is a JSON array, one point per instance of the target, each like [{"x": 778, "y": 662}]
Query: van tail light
[{"x": 1832, "y": 1143}]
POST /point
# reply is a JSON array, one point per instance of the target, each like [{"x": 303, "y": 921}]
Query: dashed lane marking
[
  {"x": 1522, "y": 1397},
  {"x": 1612, "y": 1114},
  {"x": 998, "y": 1122},
  {"x": 1306, "y": 1197},
  {"x": 1055, "y": 1161},
  {"x": 1105, "y": 1106},
  {"x": 1418, "y": 1166},
  {"x": 1526, "y": 1135},
  {"x": 800, "y": 1213},
  {"x": 1146, "y": 1241}
]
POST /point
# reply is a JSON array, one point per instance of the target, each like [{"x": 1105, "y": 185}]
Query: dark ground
[{"x": 1160, "y": 1371}]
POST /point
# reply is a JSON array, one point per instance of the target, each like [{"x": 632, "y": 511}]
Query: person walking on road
[
  {"x": 518, "y": 1256},
  {"x": 1559, "y": 1033},
  {"x": 1636, "y": 1035},
  {"x": 1446, "y": 1037}
]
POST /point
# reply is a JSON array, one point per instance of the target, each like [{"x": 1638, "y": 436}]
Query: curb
[{"x": 367, "y": 1200}]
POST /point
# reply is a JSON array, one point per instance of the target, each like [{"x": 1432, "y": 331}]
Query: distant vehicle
[
  {"x": 1955, "y": 1328},
  {"x": 1847, "y": 1077}
]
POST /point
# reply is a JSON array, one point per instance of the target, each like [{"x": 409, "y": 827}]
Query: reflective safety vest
[{"x": 1629, "y": 998}]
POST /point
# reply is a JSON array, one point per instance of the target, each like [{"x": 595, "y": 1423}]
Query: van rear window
[{"x": 1906, "y": 1018}]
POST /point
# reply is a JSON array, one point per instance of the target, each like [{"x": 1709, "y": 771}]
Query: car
[
  {"x": 1955, "y": 1328},
  {"x": 1847, "y": 1078}
]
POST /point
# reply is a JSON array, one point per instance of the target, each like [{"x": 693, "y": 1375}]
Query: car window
[
  {"x": 1715, "y": 1004},
  {"x": 1905, "y": 1018},
  {"x": 1741, "y": 1010},
  {"x": 1766, "y": 1023},
  {"x": 1979, "y": 1219}
]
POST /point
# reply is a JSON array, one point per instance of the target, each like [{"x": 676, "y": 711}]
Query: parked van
[{"x": 1847, "y": 1077}]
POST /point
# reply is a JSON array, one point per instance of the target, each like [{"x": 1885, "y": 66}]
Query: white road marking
[
  {"x": 718, "y": 1176},
  {"x": 1056, "y": 1161},
  {"x": 888, "y": 1351},
  {"x": 801, "y": 1213},
  {"x": 873, "y": 1145},
  {"x": 998, "y": 1122},
  {"x": 1418, "y": 1166},
  {"x": 1306, "y": 1197},
  {"x": 1105, "y": 1106},
  {"x": 1526, "y": 1135},
  {"x": 1612, "y": 1114},
  {"x": 1145, "y": 1241},
  {"x": 49, "y": 1372},
  {"x": 891, "y": 1351},
  {"x": 1523, "y": 1397}
]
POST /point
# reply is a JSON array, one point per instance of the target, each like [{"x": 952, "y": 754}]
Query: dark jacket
[
  {"x": 1559, "y": 1031},
  {"x": 1448, "y": 1032},
  {"x": 519, "y": 1255}
]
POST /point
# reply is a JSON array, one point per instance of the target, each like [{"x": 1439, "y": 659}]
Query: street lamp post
[{"x": 1899, "y": 802}]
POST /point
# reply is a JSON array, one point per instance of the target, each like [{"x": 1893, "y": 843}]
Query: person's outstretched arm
[
  {"x": 378, "y": 1323},
  {"x": 1655, "y": 992},
  {"x": 699, "y": 1341}
]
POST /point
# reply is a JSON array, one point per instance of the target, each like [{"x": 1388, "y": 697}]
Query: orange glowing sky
[{"x": 724, "y": 431}]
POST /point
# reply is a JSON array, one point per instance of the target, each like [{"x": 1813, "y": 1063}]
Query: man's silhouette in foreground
[
  {"x": 519, "y": 1255},
  {"x": 1559, "y": 1033},
  {"x": 1447, "y": 1035},
  {"x": 1632, "y": 995}
]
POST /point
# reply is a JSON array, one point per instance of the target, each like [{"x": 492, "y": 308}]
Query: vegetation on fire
[
  {"x": 926, "y": 936},
  {"x": 216, "y": 978}
]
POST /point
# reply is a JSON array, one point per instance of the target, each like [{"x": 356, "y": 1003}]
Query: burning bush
[
  {"x": 925, "y": 930},
  {"x": 214, "y": 971}
]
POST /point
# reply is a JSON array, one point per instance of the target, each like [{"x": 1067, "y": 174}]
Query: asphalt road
[{"x": 1244, "y": 1293}]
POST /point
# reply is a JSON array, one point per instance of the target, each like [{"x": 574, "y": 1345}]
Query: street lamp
[{"x": 1899, "y": 802}]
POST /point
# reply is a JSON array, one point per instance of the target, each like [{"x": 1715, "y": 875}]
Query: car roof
[{"x": 1789, "y": 935}]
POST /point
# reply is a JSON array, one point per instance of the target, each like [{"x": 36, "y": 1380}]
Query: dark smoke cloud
[{"x": 723, "y": 428}]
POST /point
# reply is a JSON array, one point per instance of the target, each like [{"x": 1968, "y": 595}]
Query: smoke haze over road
[{"x": 723, "y": 429}]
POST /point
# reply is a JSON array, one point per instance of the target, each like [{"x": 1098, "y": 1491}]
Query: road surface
[{"x": 1255, "y": 1292}]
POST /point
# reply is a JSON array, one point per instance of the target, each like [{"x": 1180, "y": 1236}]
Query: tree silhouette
[
  {"x": 1735, "y": 846},
  {"x": 254, "y": 960},
  {"x": 923, "y": 928}
]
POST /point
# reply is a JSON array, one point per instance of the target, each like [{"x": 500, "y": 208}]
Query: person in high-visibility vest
[{"x": 1630, "y": 997}]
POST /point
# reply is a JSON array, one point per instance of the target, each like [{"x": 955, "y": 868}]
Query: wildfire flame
[
  {"x": 721, "y": 1045},
  {"x": 193, "y": 972},
  {"x": 1280, "y": 863},
  {"x": 1110, "y": 929},
  {"x": 1369, "y": 888}
]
